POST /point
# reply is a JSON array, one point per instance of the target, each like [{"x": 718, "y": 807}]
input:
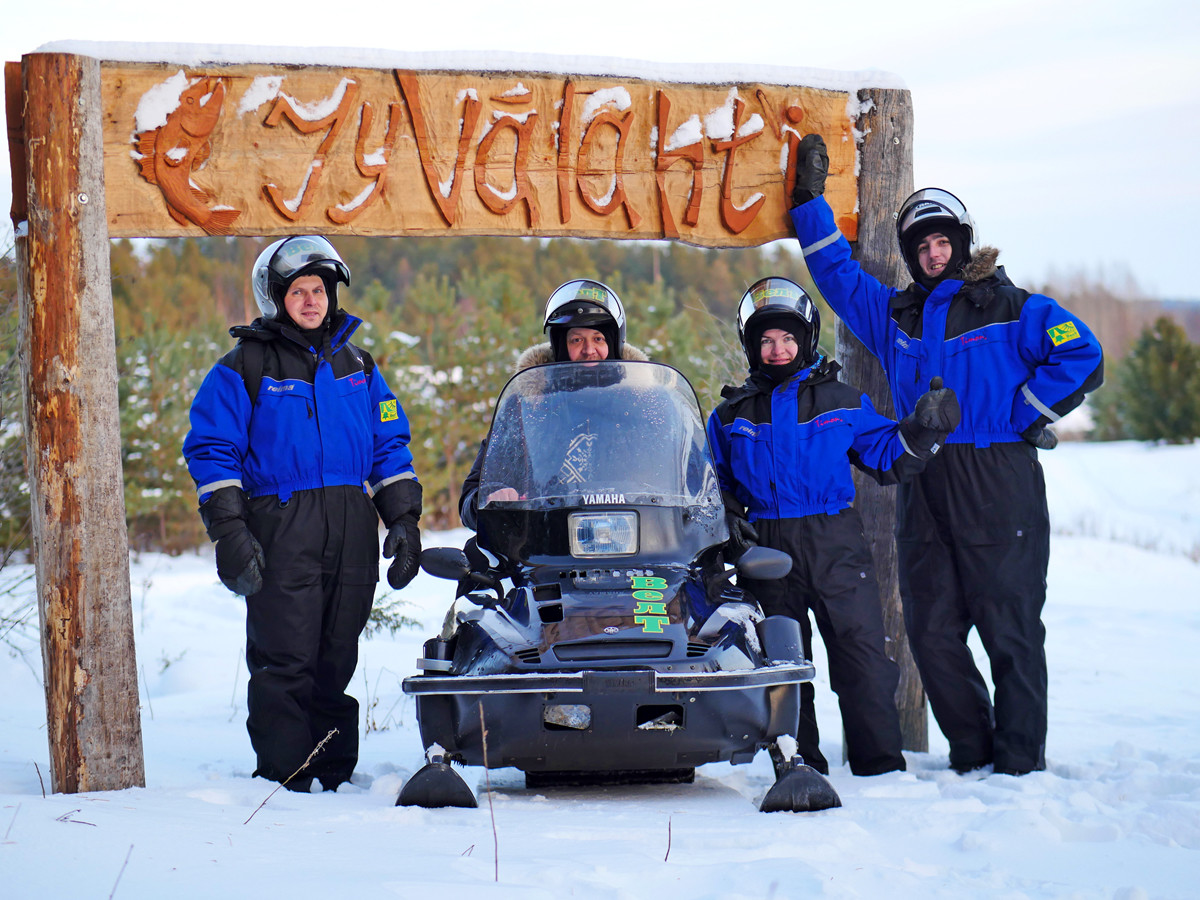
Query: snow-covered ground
[{"x": 1116, "y": 815}]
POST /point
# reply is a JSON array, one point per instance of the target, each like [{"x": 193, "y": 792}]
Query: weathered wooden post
[
  {"x": 886, "y": 163},
  {"x": 68, "y": 362}
]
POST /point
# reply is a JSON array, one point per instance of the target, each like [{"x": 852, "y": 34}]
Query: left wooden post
[{"x": 73, "y": 439}]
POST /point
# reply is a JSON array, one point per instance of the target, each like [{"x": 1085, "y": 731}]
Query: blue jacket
[
  {"x": 785, "y": 451},
  {"x": 1014, "y": 358},
  {"x": 324, "y": 417}
]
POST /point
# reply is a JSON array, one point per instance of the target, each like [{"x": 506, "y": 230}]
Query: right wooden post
[{"x": 885, "y": 180}]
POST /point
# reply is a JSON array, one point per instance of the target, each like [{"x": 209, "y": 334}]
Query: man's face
[
  {"x": 586, "y": 345},
  {"x": 306, "y": 301},
  {"x": 933, "y": 254}
]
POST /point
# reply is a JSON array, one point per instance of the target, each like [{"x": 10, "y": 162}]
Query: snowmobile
[{"x": 598, "y": 635}]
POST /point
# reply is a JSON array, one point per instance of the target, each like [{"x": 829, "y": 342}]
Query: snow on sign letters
[{"x": 252, "y": 149}]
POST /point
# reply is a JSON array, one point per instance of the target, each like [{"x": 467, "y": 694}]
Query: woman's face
[
  {"x": 777, "y": 347},
  {"x": 306, "y": 301}
]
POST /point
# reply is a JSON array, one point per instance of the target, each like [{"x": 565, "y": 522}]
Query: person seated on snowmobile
[{"x": 584, "y": 323}]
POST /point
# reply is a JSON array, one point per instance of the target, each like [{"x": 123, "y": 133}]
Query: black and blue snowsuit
[
  {"x": 324, "y": 426},
  {"x": 783, "y": 457},
  {"x": 973, "y": 529}
]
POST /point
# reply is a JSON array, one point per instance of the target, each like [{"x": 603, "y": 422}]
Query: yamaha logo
[{"x": 591, "y": 499}]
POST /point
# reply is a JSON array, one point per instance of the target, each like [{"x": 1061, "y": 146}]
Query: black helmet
[
  {"x": 584, "y": 304},
  {"x": 778, "y": 303},
  {"x": 930, "y": 210},
  {"x": 286, "y": 260}
]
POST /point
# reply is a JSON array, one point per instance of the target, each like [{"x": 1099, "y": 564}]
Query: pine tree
[{"x": 1157, "y": 393}]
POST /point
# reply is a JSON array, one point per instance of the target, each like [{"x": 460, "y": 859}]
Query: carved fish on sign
[{"x": 171, "y": 152}]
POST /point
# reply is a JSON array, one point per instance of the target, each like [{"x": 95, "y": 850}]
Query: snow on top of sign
[{"x": 195, "y": 55}]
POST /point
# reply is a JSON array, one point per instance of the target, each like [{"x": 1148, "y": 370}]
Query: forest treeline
[{"x": 445, "y": 320}]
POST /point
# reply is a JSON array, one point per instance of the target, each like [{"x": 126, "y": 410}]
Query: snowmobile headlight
[{"x": 603, "y": 533}]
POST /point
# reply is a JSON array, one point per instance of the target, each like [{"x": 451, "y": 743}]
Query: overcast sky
[{"x": 1070, "y": 129}]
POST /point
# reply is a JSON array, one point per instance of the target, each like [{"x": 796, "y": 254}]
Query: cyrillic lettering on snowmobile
[
  {"x": 651, "y": 610},
  {"x": 647, "y": 583}
]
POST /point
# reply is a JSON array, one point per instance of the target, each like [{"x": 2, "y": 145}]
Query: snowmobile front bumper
[
  {"x": 648, "y": 680},
  {"x": 608, "y": 720}
]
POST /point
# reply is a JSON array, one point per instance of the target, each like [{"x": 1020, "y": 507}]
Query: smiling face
[
  {"x": 777, "y": 347},
  {"x": 933, "y": 254},
  {"x": 306, "y": 302},
  {"x": 586, "y": 345}
]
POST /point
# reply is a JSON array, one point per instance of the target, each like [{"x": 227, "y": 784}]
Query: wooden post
[
  {"x": 68, "y": 362},
  {"x": 886, "y": 180}
]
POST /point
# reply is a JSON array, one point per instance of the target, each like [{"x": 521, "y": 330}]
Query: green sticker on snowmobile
[{"x": 651, "y": 610}]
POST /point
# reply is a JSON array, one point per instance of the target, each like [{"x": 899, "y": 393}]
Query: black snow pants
[
  {"x": 973, "y": 542},
  {"x": 833, "y": 576},
  {"x": 302, "y": 630}
]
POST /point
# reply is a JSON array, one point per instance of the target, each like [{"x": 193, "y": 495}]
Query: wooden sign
[{"x": 253, "y": 149}]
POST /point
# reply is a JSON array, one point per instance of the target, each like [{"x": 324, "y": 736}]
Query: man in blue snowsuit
[
  {"x": 972, "y": 530},
  {"x": 288, "y": 431},
  {"x": 783, "y": 444}
]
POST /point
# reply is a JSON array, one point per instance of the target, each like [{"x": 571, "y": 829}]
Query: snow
[
  {"x": 263, "y": 89},
  {"x": 477, "y": 61},
  {"x": 1115, "y": 816},
  {"x": 159, "y": 102}
]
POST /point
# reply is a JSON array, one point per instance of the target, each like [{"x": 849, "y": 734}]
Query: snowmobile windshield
[{"x": 607, "y": 433}]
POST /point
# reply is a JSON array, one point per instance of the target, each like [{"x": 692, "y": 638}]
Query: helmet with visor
[
  {"x": 778, "y": 303},
  {"x": 584, "y": 303},
  {"x": 284, "y": 261}
]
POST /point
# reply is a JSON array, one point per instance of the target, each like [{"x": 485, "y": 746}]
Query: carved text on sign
[{"x": 407, "y": 152}]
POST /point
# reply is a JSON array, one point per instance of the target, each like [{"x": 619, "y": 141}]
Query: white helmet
[
  {"x": 286, "y": 260},
  {"x": 929, "y": 210}
]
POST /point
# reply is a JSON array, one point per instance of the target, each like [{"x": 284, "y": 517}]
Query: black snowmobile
[{"x": 597, "y": 636}]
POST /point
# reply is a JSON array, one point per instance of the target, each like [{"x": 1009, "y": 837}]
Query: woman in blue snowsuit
[
  {"x": 288, "y": 431},
  {"x": 973, "y": 529},
  {"x": 783, "y": 444}
]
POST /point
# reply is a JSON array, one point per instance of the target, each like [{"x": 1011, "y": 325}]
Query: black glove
[
  {"x": 399, "y": 505},
  {"x": 240, "y": 562},
  {"x": 742, "y": 535},
  {"x": 812, "y": 168},
  {"x": 936, "y": 414},
  {"x": 240, "y": 558},
  {"x": 403, "y": 542},
  {"x": 1041, "y": 437}
]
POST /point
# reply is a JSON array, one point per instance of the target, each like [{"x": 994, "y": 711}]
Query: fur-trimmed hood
[
  {"x": 980, "y": 266},
  {"x": 980, "y": 277},
  {"x": 541, "y": 354}
]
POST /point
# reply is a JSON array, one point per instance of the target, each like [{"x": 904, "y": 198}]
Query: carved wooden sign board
[{"x": 260, "y": 149}]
